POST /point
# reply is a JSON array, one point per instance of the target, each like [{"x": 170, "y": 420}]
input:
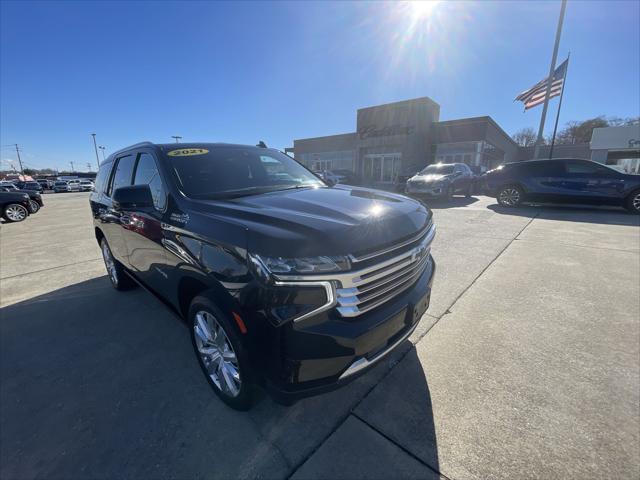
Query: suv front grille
[{"x": 370, "y": 287}]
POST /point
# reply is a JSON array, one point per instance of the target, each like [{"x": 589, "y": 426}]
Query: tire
[
  {"x": 33, "y": 206},
  {"x": 449, "y": 193},
  {"x": 14, "y": 213},
  {"x": 510, "y": 196},
  {"x": 633, "y": 202},
  {"x": 469, "y": 192},
  {"x": 229, "y": 375},
  {"x": 115, "y": 271}
]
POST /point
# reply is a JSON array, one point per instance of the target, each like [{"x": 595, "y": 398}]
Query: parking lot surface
[{"x": 527, "y": 364}]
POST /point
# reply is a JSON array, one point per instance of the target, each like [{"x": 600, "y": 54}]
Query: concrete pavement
[{"x": 526, "y": 365}]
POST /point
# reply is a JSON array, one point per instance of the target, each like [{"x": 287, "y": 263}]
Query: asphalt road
[{"x": 527, "y": 364}]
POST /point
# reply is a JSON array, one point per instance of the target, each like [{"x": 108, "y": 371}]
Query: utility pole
[
  {"x": 102, "y": 148},
  {"x": 19, "y": 161},
  {"x": 177, "y": 137},
  {"x": 550, "y": 78},
  {"x": 72, "y": 170},
  {"x": 95, "y": 146}
]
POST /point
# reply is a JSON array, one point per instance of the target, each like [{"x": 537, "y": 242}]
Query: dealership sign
[{"x": 371, "y": 131}]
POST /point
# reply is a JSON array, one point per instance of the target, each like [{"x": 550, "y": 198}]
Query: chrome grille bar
[{"x": 362, "y": 290}]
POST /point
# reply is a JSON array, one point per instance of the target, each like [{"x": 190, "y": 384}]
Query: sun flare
[{"x": 422, "y": 8}]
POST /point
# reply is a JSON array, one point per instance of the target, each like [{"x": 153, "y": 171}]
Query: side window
[
  {"x": 123, "y": 173},
  {"x": 583, "y": 167},
  {"x": 147, "y": 173},
  {"x": 541, "y": 169},
  {"x": 103, "y": 175}
]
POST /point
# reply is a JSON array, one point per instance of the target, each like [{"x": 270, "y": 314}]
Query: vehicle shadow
[
  {"x": 571, "y": 213},
  {"x": 99, "y": 383}
]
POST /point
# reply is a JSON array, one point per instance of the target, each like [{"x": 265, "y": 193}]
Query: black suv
[
  {"x": 570, "y": 180},
  {"x": 284, "y": 281}
]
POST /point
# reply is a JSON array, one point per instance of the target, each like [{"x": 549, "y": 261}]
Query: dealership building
[{"x": 397, "y": 139}]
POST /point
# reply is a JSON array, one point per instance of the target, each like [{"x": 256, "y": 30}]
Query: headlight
[{"x": 303, "y": 265}]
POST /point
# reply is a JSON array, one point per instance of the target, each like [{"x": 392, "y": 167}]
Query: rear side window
[
  {"x": 123, "y": 173},
  {"x": 103, "y": 175},
  {"x": 584, "y": 167},
  {"x": 147, "y": 174},
  {"x": 540, "y": 169}
]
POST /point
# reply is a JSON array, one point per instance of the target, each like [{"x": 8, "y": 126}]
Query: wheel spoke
[
  {"x": 229, "y": 380},
  {"x": 229, "y": 355},
  {"x": 202, "y": 329}
]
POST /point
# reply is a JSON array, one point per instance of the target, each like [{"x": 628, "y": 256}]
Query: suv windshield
[
  {"x": 438, "y": 170},
  {"x": 60, "y": 183},
  {"x": 237, "y": 171}
]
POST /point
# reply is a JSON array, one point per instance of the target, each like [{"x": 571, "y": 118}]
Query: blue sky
[{"x": 243, "y": 72}]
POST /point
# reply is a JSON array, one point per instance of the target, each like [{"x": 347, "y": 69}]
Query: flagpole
[
  {"x": 555, "y": 127},
  {"x": 550, "y": 79}
]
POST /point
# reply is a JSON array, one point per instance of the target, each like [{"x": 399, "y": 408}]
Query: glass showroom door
[{"x": 381, "y": 168}]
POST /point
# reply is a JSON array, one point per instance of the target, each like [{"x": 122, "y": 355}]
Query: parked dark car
[
  {"x": 35, "y": 198},
  {"x": 569, "y": 180},
  {"x": 14, "y": 206},
  {"x": 45, "y": 183},
  {"x": 284, "y": 281},
  {"x": 29, "y": 186},
  {"x": 347, "y": 177},
  {"x": 441, "y": 180}
]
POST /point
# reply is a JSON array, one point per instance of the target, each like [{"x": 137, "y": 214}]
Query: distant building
[
  {"x": 617, "y": 146},
  {"x": 397, "y": 139}
]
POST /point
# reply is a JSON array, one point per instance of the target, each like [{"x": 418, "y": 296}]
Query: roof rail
[{"x": 135, "y": 145}]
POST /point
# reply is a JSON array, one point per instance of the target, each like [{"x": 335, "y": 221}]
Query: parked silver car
[{"x": 61, "y": 186}]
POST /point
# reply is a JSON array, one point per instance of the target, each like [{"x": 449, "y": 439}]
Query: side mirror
[
  {"x": 135, "y": 197},
  {"x": 330, "y": 182}
]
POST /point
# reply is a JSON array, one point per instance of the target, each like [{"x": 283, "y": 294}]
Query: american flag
[{"x": 535, "y": 95}]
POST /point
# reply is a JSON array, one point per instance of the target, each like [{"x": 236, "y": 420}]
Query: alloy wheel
[
  {"x": 16, "y": 213},
  {"x": 509, "y": 197},
  {"x": 110, "y": 263},
  {"x": 33, "y": 206},
  {"x": 217, "y": 354},
  {"x": 636, "y": 202}
]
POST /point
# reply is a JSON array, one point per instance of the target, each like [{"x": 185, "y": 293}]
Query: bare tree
[
  {"x": 580, "y": 132},
  {"x": 525, "y": 137}
]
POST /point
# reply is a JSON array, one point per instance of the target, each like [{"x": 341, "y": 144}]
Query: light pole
[
  {"x": 103, "y": 148},
  {"x": 95, "y": 146},
  {"x": 177, "y": 137},
  {"x": 72, "y": 170}
]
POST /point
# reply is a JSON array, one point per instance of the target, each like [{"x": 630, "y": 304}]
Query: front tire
[
  {"x": 14, "y": 212},
  {"x": 221, "y": 353},
  {"x": 510, "y": 196},
  {"x": 33, "y": 206},
  {"x": 633, "y": 202},
  {"x": 115, "y": 271}
]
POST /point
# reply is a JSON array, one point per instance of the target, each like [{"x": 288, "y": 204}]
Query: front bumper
[
  {"x": 426, "y": 190},
  {"x": 325, "y": 352}
]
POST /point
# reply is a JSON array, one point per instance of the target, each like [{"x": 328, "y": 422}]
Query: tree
[
  {"x": 579, "y": 132},
  {"x": 525, "y": 137},
  {"x": 30, "y": 171},
  {"x": 623, "y": 122}
]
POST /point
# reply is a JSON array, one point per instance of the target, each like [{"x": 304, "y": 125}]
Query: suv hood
[
  {"x": 322, "y": 221},
  {"x": 430, "y": 178}
]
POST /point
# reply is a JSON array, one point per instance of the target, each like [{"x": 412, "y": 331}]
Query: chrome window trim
[{"x": 328, "y": 288}]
